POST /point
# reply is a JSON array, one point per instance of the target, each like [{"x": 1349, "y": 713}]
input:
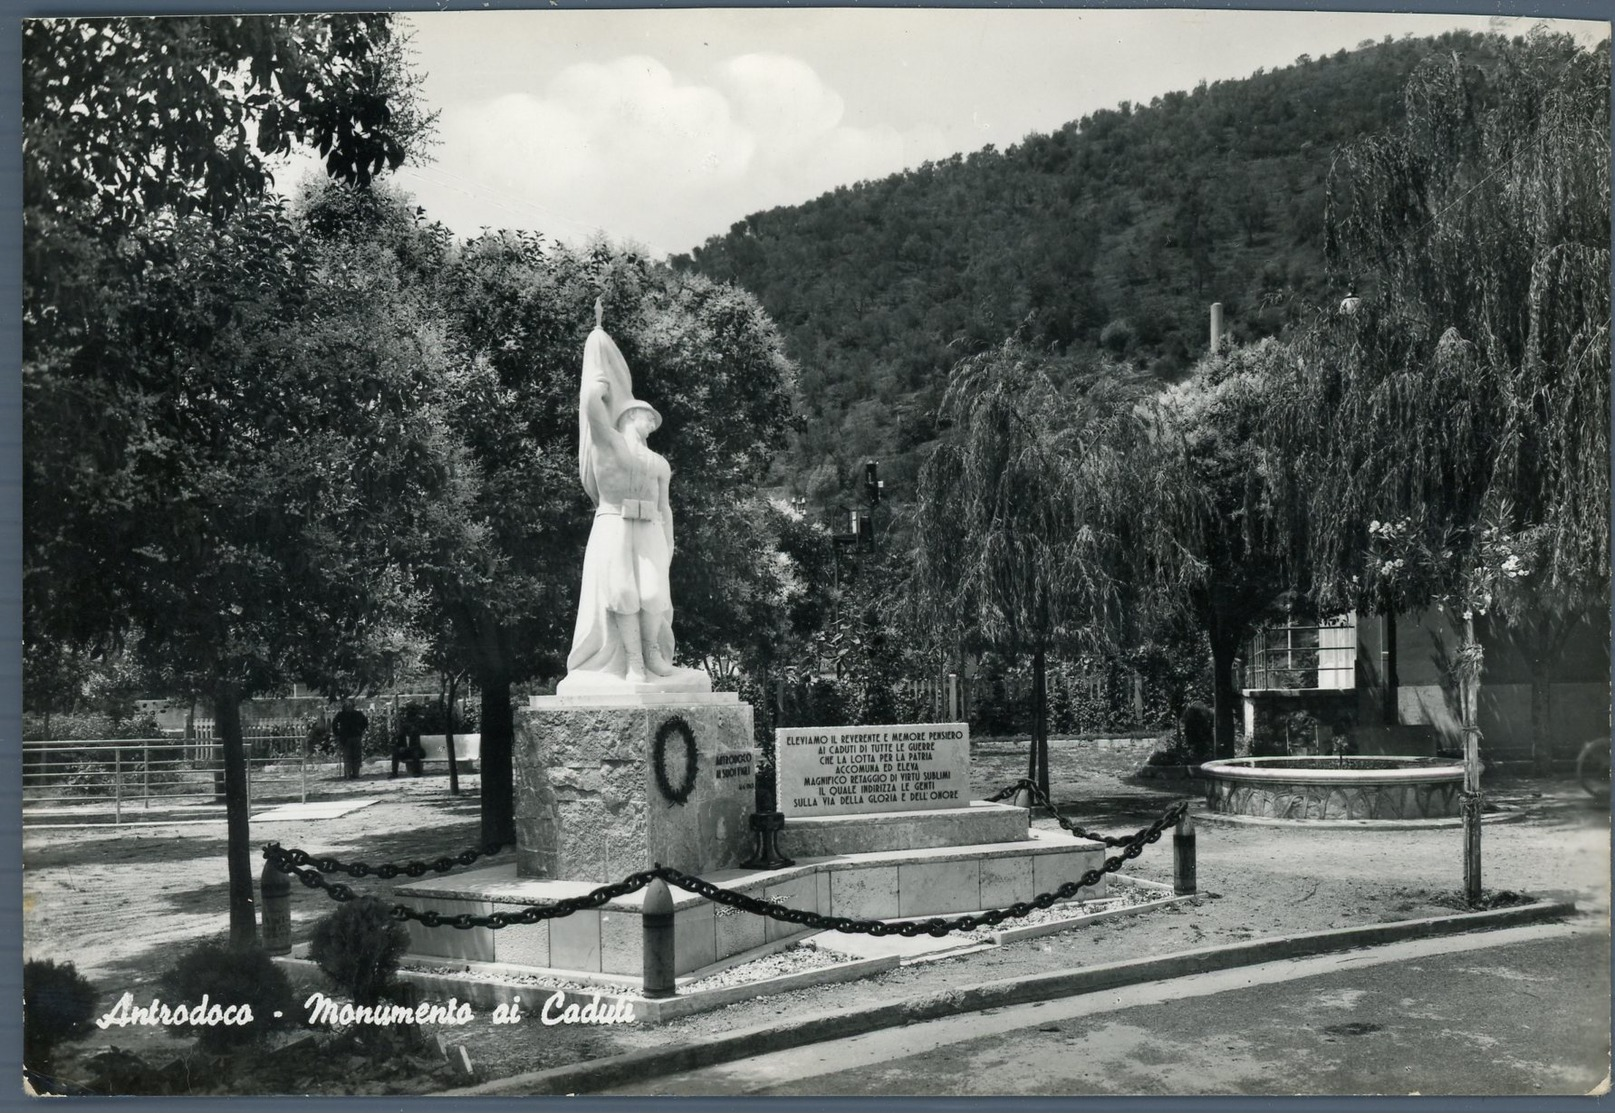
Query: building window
[{"x": 1297, "y": 657}]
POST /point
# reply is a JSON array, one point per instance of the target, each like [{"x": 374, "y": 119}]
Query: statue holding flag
[{"x": 623, "y": 639}]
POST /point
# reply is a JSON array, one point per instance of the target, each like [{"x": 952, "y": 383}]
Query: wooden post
[
  {"x": 1472, "y": 796},
  {"x": 117, "y": 784},
  {"x": 1390, "y": 714}
]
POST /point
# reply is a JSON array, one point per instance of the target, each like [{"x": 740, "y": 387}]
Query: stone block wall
[{"x": 588, "y": 803}]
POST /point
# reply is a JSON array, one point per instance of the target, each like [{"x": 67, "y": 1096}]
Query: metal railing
[
  {"x": 1303, "y": 657},
  {"x": 132, "y": 773}
]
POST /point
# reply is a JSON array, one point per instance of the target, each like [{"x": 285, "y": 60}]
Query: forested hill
[{"x": 1111, "y": 235}]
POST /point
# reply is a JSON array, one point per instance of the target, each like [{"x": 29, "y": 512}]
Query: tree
[
  {"x": 1451, "y": 433},
  {"x": 208, "y": 473},
  {"x": 506, "y": 580},
  {"x": 1024, "y": 530},
  {"x": 1237, "y": 557},
  {"x": 126, "y": 118}
]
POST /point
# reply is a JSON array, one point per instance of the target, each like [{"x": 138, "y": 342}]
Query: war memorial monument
[{"x": 635, "y": 762}]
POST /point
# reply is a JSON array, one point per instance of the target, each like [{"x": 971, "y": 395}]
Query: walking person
[{"x": 349, "y": 727}]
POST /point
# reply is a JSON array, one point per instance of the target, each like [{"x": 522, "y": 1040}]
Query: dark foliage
[
  {"x": 58, "y": 1003},
  {"x": 358, "y": 945},
  {"x": 230, "y": 976},
  {"x": 1197, "y": 727}
]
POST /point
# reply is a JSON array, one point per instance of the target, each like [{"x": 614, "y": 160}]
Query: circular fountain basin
[{"x": 1304, "y": 788}]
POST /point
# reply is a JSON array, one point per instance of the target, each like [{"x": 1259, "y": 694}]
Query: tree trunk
[
  {"x": 237, "y": 809},
  {"x": 448, "y": 737},
  {"x": 498, "y": 777},
  {"x": 1541, "y": 712},
  {"x": 1037, "y": 764},
  {"x": 1548, "y": 640},
  {"x": 1224, "y": 696}
]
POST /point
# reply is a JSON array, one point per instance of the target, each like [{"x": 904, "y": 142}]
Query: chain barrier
[
  {"x": 387, "y": 870},
  {"x": 1043, "y": 801},
  {"x": 936, "y": 926},
  {"x": 308, "y": 870}
]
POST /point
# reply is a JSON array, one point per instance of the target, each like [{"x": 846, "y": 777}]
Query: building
[{"x": 1387, "y": 686}]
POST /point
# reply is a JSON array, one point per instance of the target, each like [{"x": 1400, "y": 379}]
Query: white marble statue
[{"x": 623, "y": 640}]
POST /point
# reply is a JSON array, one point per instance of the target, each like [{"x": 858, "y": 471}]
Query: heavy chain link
[
  {"x": 284, "y": 860},
  {"x": 387, "y": 870},
  {"x": 310, "y": 871},
  {"x": 936, "y": 926}
]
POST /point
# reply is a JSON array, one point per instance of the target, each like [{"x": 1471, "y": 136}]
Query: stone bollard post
[
  {"x": 277, "y": 904},
  {"x": 1183, "y": 867},
  {"x": 1023, "y": 798},
  {"x": 658, "y": 942}
]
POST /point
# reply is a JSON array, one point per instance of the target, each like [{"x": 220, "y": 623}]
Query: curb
[
  {"x": 1444, "y": 823},
  {"x": 839, "y": 1024}
]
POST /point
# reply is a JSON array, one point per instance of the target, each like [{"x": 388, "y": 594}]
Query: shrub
[
  {"x": 57, "y": 1004},
  {"x": 358, "y": 945},
  {"x": 227, "y": 976},
  {"x": 1118, "y": 336},
  {"x": 69, "y": 728},
  {"x": 1199, "y": 731}
]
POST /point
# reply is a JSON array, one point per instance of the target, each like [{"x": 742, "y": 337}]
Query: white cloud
[{"x": 631, "y": 148}]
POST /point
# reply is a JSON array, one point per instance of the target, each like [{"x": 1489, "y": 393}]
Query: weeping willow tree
[
  {"x": 1450, "y": 428},
  {"x": 1027, "y": 518},
  {"x": 1235, "y": 554}
]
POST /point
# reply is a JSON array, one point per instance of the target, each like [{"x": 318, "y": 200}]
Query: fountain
[{"x": 1335, "y": 787}]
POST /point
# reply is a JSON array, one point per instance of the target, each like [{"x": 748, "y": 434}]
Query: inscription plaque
[
  {"x": 734, "y": 772},
  {"x": 853, "y": 770}
]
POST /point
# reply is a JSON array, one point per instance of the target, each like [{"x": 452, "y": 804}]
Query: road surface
[{"x": 1519, "y": 1011}]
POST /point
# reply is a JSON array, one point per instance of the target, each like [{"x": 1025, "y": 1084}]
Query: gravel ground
[{"x": 119, "y": 902}]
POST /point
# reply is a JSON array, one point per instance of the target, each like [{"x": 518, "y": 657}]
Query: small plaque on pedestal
[{"x": 855, "y": 770}]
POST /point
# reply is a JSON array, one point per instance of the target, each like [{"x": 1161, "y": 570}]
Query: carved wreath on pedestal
[{"x": 674, "y": 726}]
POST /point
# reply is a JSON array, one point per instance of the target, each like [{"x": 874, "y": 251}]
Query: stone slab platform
[
  {"x": 832, "y": 835},
  {"x": 887, "y": 885}
]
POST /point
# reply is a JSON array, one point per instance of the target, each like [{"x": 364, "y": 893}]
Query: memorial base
[
  {"x": 824, "y": 836},
  {"x": 606, "y": 787},
  {"x": 609, "y": 940}
]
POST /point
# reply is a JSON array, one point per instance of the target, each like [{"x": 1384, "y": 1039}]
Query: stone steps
[
  {"x": 829, "y": 836},
  {"x": 884, "y": 884}
]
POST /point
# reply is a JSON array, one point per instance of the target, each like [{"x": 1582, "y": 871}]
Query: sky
[{"x": 661, "y": 128}]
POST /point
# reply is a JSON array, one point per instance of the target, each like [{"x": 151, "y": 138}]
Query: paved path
[{"x": 1497, "y": 1013}]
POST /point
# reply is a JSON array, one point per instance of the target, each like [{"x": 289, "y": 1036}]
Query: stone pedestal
[{"x": 589, "y": 803}]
